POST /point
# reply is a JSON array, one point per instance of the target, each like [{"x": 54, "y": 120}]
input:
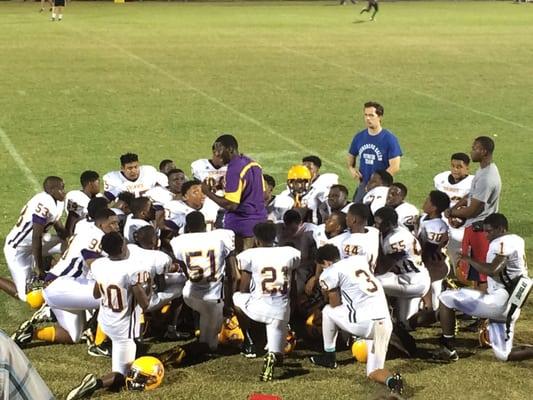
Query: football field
[{"x": 288, "y": 80}]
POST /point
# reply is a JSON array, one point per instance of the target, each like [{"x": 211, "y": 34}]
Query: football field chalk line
[
  {"x": 19, "y": 160},
  {"x": 404, "y": 88},
  {"x": 339, "y": 167}
]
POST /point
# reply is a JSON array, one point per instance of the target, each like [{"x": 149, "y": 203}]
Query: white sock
[
  {"x": 60, "y": 16},
  {"x": 276, "y": 333},
  {"x": 53, "y": 15}
]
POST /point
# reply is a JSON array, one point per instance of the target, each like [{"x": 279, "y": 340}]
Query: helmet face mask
[
  {"x": 299, "y": 180},
  {"x": 146, "y": 373}
]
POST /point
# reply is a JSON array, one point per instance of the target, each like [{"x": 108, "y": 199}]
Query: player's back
[
  {"x": 155, "y": 262},
  {"x": 321, "y": 238},
  {"x": 42, "y": 209},
  {"x": 432, "y": 230},
  {"x": 204, "y": 254},
  {"x": 271, "y": 269},
  {"x": 83, "y": 243},
  {"x": 513, "y": 248},
  {"x": 376, "y": 198},
  {"x": 362, "y": 244},
  {"x": 76, "y": 201},
  {"x": 360, "y": 291},
  {"x": 405, "y": 248},
  {"x": 407, "y": 215}
]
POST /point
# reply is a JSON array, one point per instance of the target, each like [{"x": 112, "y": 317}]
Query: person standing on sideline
[
  {"x": 376, "y": 147},
  {"x": 57, "y": 10},
  {"x": 482, "y": 201},
  {"x": 243, "y": 199}
]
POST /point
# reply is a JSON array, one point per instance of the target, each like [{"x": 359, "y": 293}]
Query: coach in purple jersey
[
  {"x": 376, "y": 147},
  {"x": 244, "y": 192}
]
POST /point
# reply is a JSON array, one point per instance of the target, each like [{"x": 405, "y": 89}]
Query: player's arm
[
  {"x": 351, "y": 164},
  {"x": 491, "y": 269},
  {"x": 37, "y": 248},
  {"x": 72, "y": 220},
  {"x": 96, "y": 291},
  {"x": 140, "y": 296},
  {"x": 222, "y": 202},
  {"x": 333, "y": 297},
  {"x": 246, "y": 277},
  {"x": 230, "y": 280},
  {"x": 473, "y": 210},
  {"x": 60, "y": 230},
  {"x": 394, "y": 165}
]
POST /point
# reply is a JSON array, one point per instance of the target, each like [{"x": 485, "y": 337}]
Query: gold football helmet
[
  {"x": 146, "y": 373},
  {"x": 298, "y": 182},
  {"x": 359, "y": 350},
  {"x": 35, "y": 298}
]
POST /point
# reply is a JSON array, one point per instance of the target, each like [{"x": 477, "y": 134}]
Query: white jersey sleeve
[
  {"x": 41, "y": 209},
  {"x": 512, "y": 247},
  {"x": 203, "y": 169},
  {"x": 76, "y": 202},
  {"x": 407, "y": 215},
  {"x": 131, "y": 226},
  {"x": 115, "y": 182},
  {"x": 160, "y": 196}
]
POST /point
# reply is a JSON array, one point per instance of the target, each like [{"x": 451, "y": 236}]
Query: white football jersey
[
  {"x": 406, "y": 250},
  {"x": 155, "y": 262},
  {"x": 318, "y": 192},
  {"x": 361, "y": 293},
  {"x": 115, "y": 182},
  {"x": 131, "y": 226},
  {"x": 119, "y": 314},
  {"x": 407, "y": 215},
  {"x": 176, "y": 211},
  {"x": 82, "y": 245},
  {"x": 432, "y": 230},
  {"x": 203, "y": 169},
  {"x": 376, "y": 198},
  {"x": 362, "y": 244},
  {"x": 513, "y": 248},
  {"x": 76, "y": 201},
  {"x": 320, "y": 238},
  {"x": 160, "y": 196},
  {"x": 456, "y": 191},
  {"x": 82, "y": 225},
  {"x": 41, "y": 209},
  {"x": 204, "y": 254},
  {"x": 281, "y": 204},
  {"x": 271, "y": 269}
]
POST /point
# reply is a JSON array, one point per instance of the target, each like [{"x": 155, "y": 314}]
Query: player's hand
[{"x": 206, "y": 188}]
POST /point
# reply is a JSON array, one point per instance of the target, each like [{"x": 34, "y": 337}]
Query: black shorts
[{"x": 59, "y": 3}]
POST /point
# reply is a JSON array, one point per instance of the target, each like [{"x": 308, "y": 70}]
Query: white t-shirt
[
  {"x": 271, "y": 269},
  {"x": 42, "y": 209},
  {"x": 204, "y": 254},
  {"x": 361, "y": 293}
]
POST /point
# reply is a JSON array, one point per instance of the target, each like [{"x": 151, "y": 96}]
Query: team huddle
[{"x": 222, "y": 258}]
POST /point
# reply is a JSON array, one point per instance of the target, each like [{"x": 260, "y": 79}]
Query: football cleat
[
  {"x": 85, "y": 389},
  {"x": 446, "y": 352},
  {"x": 326, "y": 360},
  {"x": 395, "y": 384},
  {"x": 24, "y": 334},
  {"x": 42, "y": 315},
  {"x": 248, "y": 349},
  {"x": 99, "y": 350},
  {"x": 173, "y": 357},
  {"x": 268, "y": 367},
  {"x": 88, "y": 337},
  {"x": 146, "y": 373}
]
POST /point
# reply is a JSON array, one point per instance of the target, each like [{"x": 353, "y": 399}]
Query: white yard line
[
  {"x": 406, "y": 88},
  {"x": 19, "y": 160},
  {"x": 308, "y": 151}
]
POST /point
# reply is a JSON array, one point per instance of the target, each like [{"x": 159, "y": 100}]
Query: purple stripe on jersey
[
  {"x": 110, "y": 196},
  {"x": 23, "y": 237},
  {"x": 89, "y": 255},
  {"x": 251, "y": 209},
  {"x": 37, "y": 219},
  {"x": 70, "y": 267},
  {"x": 20, "y": 233}
]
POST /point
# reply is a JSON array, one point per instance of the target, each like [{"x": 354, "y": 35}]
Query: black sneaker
[
  {"x": 248, "y": 349},
  {"x": 99, "y": 351},
  {"x": 324, "y": 360},
  {"x": 24, "y": 334},
  {"x": 395, "y": 384},
  {"x": 447, "y": 351},
  {"x": 85, "y": 389},
  {"x": 173, "y": 335}
]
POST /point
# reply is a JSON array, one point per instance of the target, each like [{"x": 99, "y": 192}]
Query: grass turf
[{"x": 289, "y": 79}]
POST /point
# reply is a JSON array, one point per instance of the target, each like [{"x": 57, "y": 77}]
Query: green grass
[{"x": 288, "y": 79}]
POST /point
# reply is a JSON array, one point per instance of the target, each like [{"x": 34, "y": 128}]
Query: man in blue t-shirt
[{"x": 376, "y": 148}]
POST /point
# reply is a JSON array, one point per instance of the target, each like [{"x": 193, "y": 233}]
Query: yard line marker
[
  {"x": 337, "y": 166},
  {"x": 19, "y": 160},
  {"x": 418, "y": 92}
]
